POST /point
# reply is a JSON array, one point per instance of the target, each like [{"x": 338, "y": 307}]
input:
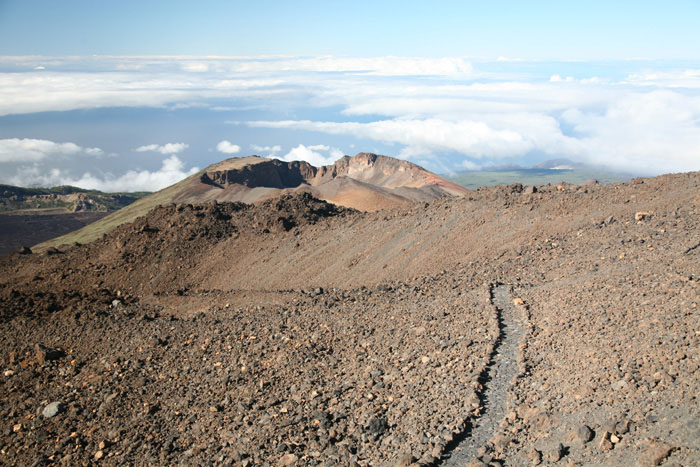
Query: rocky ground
[{"x": 296, "y": 333}]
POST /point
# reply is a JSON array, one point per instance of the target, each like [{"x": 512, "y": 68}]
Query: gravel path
[{"x": 496, "y": 379}]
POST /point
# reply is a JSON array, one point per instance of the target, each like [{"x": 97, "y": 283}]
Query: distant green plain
[{"x": 476, "y": 179}]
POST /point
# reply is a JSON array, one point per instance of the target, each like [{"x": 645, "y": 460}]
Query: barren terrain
[
  {"x": 295, "y": 332},
  {"x": 29, "y": 228}
]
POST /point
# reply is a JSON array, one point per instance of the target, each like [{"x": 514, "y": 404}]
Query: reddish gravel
[{"x": 295, "y": 332}]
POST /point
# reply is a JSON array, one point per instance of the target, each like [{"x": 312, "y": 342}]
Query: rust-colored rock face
[{"x": 368, "y": 182}]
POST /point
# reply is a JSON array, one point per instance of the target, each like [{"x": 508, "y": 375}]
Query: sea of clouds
[{"x": 632, "y": 116}]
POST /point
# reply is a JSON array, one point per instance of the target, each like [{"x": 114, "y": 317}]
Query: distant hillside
[
  {"x": 366, "y": 182},
  {"x": 534, "y": 176},
  {"x": 62, "y": 199}
]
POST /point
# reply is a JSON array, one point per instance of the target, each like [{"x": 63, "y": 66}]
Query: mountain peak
[{"x": 366, "y": 181}]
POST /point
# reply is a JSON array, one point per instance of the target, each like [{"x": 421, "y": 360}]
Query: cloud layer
[
  {"x": 172, "y": 171},
  {"x": 168, "y": 148},
  {"x": 228, "y": 147},
  {"x": 32, "y": 150},
  {"x": 316, "y": 155},
  {"x": 631, "y": 116}
]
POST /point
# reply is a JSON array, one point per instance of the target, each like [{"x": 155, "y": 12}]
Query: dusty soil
[
  {"x": 17, "y": 230},
  {"x": 294, "y": 332}
]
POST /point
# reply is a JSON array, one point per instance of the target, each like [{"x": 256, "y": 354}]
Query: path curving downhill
[{"x": 495, "y": 379}]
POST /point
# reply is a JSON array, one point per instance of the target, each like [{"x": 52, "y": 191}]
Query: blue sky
[
  {"x": 591, "y": 30},
  {"x": 135, "y": 95}
]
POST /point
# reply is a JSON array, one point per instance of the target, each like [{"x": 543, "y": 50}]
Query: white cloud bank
[
  {"x": 645, "y": 132},
  {"x": 172, "y": 171},
  {"x": 165, "y": 149},
  {"x": 314, "y": 154},
  {"x": 32, "y": 150},
  {"x": 642, "y": 120},
  {"x": 227, "y": 147},
  {"x": 270, "y": 151}
]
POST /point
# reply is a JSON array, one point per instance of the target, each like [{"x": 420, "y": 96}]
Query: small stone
[
  {"x": 614, "y": 439},
  {"x": 288, "y": 459},
  {"x": 555, "y": 454},
  {"x": 501, "y": 441},
  {"x": 483, "y": 450},
  {"x": 99, "y": 455},
  {"x": 476, "y": 462},
  {"x": 102, "y": 445},
  {"x": 378, "y": 425},
  {"x": 609, "y": 425},
  {"x": 318, "y": 291},
  {"x": 25, "y": 250},
  {"x": 116, "y": 303},
  {"x": 622, "y": 427},
  {"x": 584, "y": 434},
  {"x": 518, "y": 301},
  {"x": 17, "y": 428},
  {"x": 605, "y": 443},
  {"x": 43, "y": 354},
  {"x": 405, "y": 460},
  {"x": 52, "y": 409},
  {"x": 619, "y": 385},
  {"x": 535, "y": 456},
  {"x": 641, "y": 215},
  {"x": 656, "y": 452}
]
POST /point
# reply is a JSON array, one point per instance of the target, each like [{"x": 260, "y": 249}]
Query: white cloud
[
  {"x": 171, "y": 171},
  {"x": 648, "y": 133},
  {"x": 312, "y": 155},
  {"x": 648, "y": 119},
  {"x": 196, "y": 67},
  {"x": 227, "y": 147},
  {"x": 168, "y": 148},
  {"x": 94, "y": 151},
  {"x": 270, "y": 150},
  {"x": 422, "y": 137},
  {"x": 166, "y": 81},
  {"x": 653, "y": 132},
  {"x": 29, "y": 150},
  {"x": 689, "y": 78},
  {"x": 385, "y": 66},
  {"x": 559, "y": 79}
]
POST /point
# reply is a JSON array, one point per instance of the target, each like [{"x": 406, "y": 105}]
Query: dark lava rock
[{"x": 44, "y": 354}]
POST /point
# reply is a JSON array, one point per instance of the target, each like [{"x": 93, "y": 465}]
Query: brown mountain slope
[
  {"x": 367, "y": 182},
  {"x": 295, "y": 331}
]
